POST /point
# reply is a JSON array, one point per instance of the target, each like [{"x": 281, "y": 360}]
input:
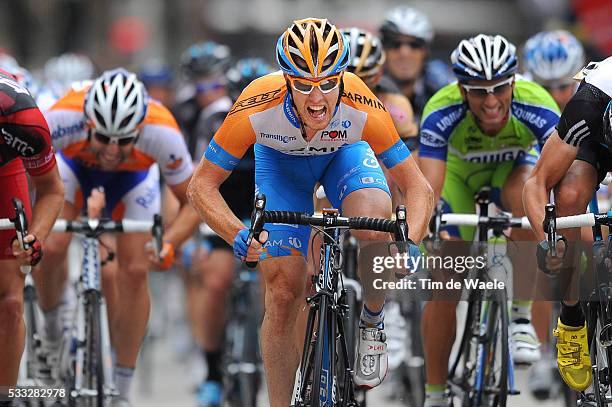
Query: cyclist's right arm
[
  {"x": 230, "y": 143},
  {"x": 581, "y": 121},
  {"x": 554, "y": 162}
]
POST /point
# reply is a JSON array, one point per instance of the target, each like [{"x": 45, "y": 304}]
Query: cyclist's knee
[
  {"x": 283, "y": 293},
  {"x": 219, "y": 282},
  {"x": 134, "y": 276},
  {"x": 282, "y": 302},
  {"x": 437, "y": 308},
  {"x": 56, "y": 247},
  {"x": 11, "y": 311},
  {"x": 572, "y": 197}
]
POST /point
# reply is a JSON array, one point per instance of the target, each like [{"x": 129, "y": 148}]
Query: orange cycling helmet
[{"x": 312, "y": 48}]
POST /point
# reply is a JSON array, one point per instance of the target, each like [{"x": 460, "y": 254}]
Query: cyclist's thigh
[
  {"x": 458, "y": 197},
  {"x": 142, "y": 198},
  {"x": 352, "y": 168},
  {"x": 11, "y": 281},
  {"x": 13, "y": 184},
  {"x": 133, "y": 195},
  {"x": 288, "y": 183}
]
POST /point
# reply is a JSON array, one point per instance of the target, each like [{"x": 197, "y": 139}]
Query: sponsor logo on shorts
[
  {"x": 373, "y": 180},
  {"x": 148, "y": 197}
]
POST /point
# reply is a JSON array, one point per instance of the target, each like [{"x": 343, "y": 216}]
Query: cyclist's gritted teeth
[{"x": 317, "y": 112}]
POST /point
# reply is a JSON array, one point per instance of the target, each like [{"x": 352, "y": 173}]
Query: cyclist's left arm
[
  {"x": 418, "y": 196},
  {"x": 186, "y": 220},
  {"x": 162, "y": 139}
]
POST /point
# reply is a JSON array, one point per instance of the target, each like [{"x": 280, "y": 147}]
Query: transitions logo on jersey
[
  {"x": 277, "y": 137},
  {"x": 334, "y": 135},
  {"x": 255, "y": 100}
]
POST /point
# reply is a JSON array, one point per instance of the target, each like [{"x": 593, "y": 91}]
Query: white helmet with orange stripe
[{"x": 116, "y": 104}]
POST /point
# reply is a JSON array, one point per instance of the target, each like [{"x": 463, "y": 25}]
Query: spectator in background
[
  {"x": 406, "y": 35},
  {"x": 60, "y": 74}
]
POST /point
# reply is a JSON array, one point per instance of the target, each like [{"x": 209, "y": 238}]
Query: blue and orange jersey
[
  {"x": 160, "y": 140},
  {"x": 264, "y": 114}
]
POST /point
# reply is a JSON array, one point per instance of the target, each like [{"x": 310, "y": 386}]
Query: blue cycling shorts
[{"x": 288, "y": 183}]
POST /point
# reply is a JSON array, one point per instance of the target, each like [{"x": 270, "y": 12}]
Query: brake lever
[
  {"x": 21, "y": 228},
  {"x": 257, "y": 224},
  {"x": 157, "y": 231},
  {"x": 550, "y": 225}
]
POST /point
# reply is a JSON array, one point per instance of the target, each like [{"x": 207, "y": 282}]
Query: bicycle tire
[
  {"x": 249, "y": 381},
  {"x": 95, "y": 368},
  {"x": 463, "y": 357},
  {"x": 351, "y": 330},
  {"x": 498, "y": 329},
  {"x": 322, "y": 341}
]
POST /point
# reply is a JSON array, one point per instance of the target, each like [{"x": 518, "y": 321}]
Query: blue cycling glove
[{"x": 240, "y": 244}]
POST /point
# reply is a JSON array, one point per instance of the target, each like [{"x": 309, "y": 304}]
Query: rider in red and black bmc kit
[{"x": 25, "y": 145}]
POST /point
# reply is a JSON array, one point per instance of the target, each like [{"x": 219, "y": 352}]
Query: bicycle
[
  {"x": 85, "y": 358},
  {"x": 324, "y": 377},
  {"x": 32, "y": 317},
  {"x": 597, "y": 306},
  {"x": 482, "y": 372}
]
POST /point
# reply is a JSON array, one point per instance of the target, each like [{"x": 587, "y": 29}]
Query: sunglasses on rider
[
  {"x": 497, "y": 89},
  {"x": 121, "y": 141},
  {"x": 395, "y": 43},
  {"x": 210, "y": 85},
  {"x": 306, "y": 86}
]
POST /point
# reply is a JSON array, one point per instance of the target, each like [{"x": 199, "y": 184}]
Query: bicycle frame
[
  {"x": 327, "y": 305},
  {"x": 326, "y": 283},
  {"x": 482, "y": 312},
  {"x": 89, "y": 287}
]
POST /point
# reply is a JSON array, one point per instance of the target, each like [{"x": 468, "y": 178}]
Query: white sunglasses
[{"x": 482, "y": 91}]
